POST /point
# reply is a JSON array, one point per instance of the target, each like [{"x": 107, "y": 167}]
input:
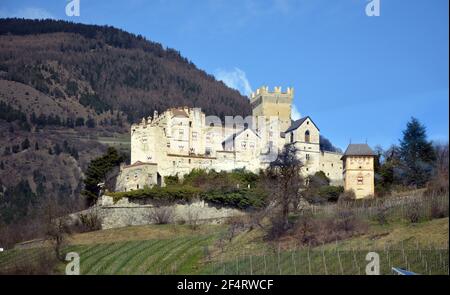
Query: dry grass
[{"x": 432, "y": 233}]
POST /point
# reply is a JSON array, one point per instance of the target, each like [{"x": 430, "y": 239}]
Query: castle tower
[
  {"x": 359, "y": 170},
  {"x": 273, "y": 104}
]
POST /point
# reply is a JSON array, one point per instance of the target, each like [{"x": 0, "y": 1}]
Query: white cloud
[
  {"x": 295, "y": 114},
  {"x": 28, "y": 12},
  {"x": 236, "y": 79}
]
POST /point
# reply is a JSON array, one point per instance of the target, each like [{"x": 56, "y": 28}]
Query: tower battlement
[{"x": 264, "y": 90}]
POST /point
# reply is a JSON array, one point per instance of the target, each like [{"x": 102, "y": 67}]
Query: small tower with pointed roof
[{"x": 358, "y": 172}]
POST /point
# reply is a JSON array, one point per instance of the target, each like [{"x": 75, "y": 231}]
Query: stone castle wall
[
  {"x": 182, "y": 139},
  {"x": 128, "y": 212}
]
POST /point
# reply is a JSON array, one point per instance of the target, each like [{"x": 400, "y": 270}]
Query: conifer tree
[{"x": 416, "y": 154}]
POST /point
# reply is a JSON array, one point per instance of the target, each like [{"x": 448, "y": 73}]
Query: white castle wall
[{"x": 181, "y": 139}]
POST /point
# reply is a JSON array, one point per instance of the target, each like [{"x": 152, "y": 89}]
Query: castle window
[
  {"x": 308, "y": 157},
  {"x": 189, "y": 161},
  {"x": 292, "y": 137},
  {"x": 190, "y": 123},
  {"x": 331, "y": 164},
  {"x": 137, "y": 186},
  {"x": 360, "y": 180},
  {"x": 307, "y": 137}
]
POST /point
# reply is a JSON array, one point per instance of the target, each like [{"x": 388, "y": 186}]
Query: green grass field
[{"x": 176, "y": 249}]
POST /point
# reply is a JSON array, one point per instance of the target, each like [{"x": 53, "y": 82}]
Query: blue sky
[{"x": 360, "y": 78}]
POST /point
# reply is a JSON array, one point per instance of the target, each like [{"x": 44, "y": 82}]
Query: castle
[{"x": 182, "y": 139}]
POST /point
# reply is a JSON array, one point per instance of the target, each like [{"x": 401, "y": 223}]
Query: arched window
[{"x": 307, "y": 139}]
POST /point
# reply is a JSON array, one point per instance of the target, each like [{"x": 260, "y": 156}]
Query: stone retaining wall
[{"x": 126, "y": 212}]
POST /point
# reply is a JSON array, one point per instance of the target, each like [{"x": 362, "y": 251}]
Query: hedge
[{"x": 237, "y": 198}]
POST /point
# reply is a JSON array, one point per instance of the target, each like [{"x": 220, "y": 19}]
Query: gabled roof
[
  {"x": 298, "y": 123},
  {"x": 358, "y": 149},
  {"x": 235, "y": 135}
]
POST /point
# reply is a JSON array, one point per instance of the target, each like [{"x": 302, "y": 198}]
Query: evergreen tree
[
  {"x": 17, "y": 202},
  {"x": 90, "y": 123},
  {"x": 416, "y": 154},
  {"x": 25, "y": 144},
  {"x": 7, "y": 151},
  {"x": 97, "y": 171},
  {"x": 57, "y": 149},
  {"x": 79, "y": 121}
]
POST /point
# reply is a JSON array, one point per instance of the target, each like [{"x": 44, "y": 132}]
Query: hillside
[
  {"x": 85, "y": 68},
  {"x": 68, "y": 90}
]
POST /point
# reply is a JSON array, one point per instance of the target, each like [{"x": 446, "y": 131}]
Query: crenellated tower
[{"x": 274, "y": 103}]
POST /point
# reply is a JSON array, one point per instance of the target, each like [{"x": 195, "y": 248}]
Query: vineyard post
[
  {"x": 324, "y": 261},
  {"x": 299, "y": 258},
  {"x": 293, "y": 261},
  {"x": 403, "y": 251},
  {"x": 309, "y": 262},
  {"x": 340, "y": 263},
  {"x": 265, "y": 263},
  {"x": 279, "y": 266},
  {"x": 356, "y": 262},
  {"x": 223, "y": 264}
]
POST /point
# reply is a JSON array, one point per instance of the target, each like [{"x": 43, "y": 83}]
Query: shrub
[
  {"x": 438, "y": 209},
  {"x": 316, "y": 231},
  {"x": 381, "y": 215},
  {"x": 347, "y": 196},
  {"x": 238, "y": 198},
  {"x": 192, "y": 218},
  {"x": 345, "y": 221},
  {"x": 171, "y": 180},
  {"x": 277, "y": 228},
  {"x": 236, "y": 224},
  {"x": 90, "y": 222},
  {"x": 167, "y": 194},
  {"x": 305, "y": 230},
  {"x": 331, "y": 193},
  {"x": 413, "y": 212},
  {"x": 161, "y": 215}
]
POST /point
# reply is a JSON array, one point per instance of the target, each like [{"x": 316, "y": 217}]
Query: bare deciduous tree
[
  {"x": 55, "y": 225},
  {"x": 284, "y": 181}
]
